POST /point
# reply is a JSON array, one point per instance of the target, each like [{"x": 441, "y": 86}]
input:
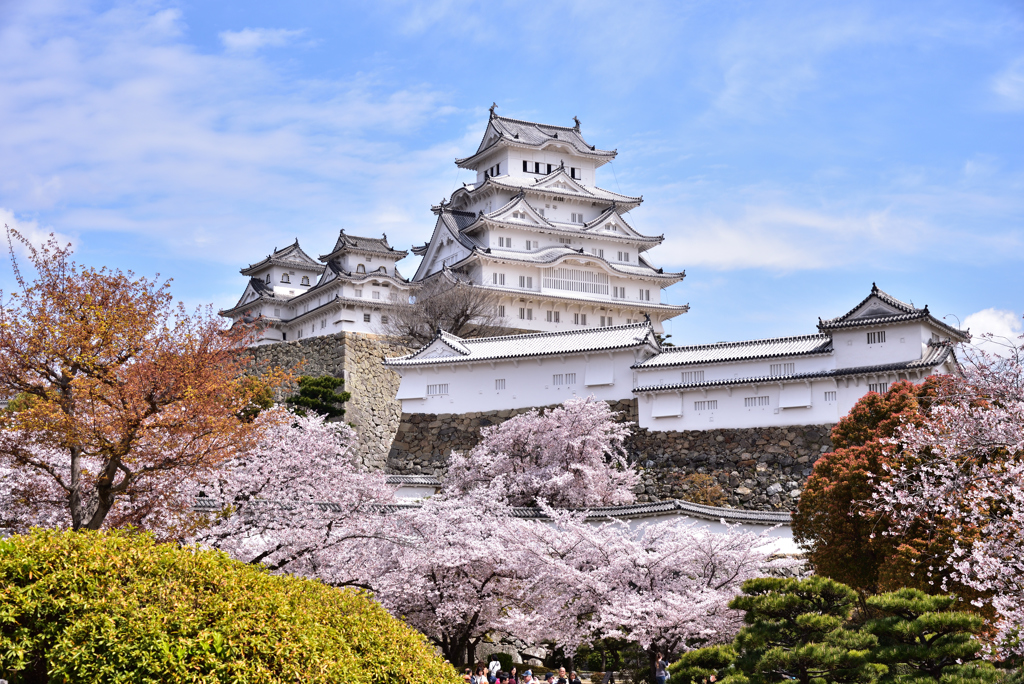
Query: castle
[{"x": 563, "y": 261}]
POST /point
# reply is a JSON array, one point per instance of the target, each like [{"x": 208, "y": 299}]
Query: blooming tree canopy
[
  {"x": 120, "y": 395},
  {"x": 571, "y": 456},
  {"x": 297, "y": 501},
  {"x": 968, "y": 467}
]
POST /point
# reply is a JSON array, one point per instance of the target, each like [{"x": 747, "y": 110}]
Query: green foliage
[
  {"x": 795, "y": 630},
  {"x": 320, "y": 394},
  {"x": 118, "y": 607},
  {"x": 921, "y": 632},
  {"x": 261, "y": 397},
  {"x": 702, "y": 664}
]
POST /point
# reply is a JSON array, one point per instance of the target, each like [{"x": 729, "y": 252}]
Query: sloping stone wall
[
  {"x": 373, "y": 410},
  {"x": 761, "y": 468}
]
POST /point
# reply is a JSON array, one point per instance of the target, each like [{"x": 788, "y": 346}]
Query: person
[
  {"x": 513, "y": 676},
  {"x": 550, "y": 679},
  {"x": 660, "y": 669},
  {"x": 495, "y": 665},
  {"x": 528, "y": 677},
  {"x": 467, "y": 676},
  {"x": 481, "y": 677},
  {"x": 574, "y": 678},
  {"x": 562, "y": 678}
]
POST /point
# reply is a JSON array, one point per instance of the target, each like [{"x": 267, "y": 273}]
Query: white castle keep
[{"x": 534, "y": 228}]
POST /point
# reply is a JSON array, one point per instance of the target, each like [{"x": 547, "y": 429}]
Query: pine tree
[
  {"x": 798, "y": 630},
  {"x": 320, "y": 395},
  {"x": 922, "y": 640}
]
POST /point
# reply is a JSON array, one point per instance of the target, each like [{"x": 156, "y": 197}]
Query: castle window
[
  {"x": 366, "y": 318},
  {"x": 645, "y": 295},
  {"x": 751, "y": 402},
  {"x": 597, "y": 252},
  {"x": 549, "y": 168},
  {"x": 830, "y": 395},
  {"x": 579, "y": 319},
  {"x": 525, "y": 165},
  {"x": 526, "y": 282},
  {"x": 570, "y": 378},
  {"x": 305, "y": 280},
  {"x": 376, "y": 294},
  {"x": 285, "y": 278},
  {"x": 880, "y": 387},
  {"x": 575, "y": 173},
  {"x": 565, "y": 241},
  {"x": 360, "y": 269},
  {"x": 440, "y": 388},
  {"x": 692, "y": 377},
  {"x": 499, "y": 383},
  {"x": 553, "y": 316},
  {"x": 778, "y": 369},
  {"x": 575, "y": 280},
  {"x": 525, "y": 314},
  {"x": 577, "y": 218},
  {"x": 268, "y": 279},
  {"x": 606, "y": 321},
  {"x": 623, "y": 256},
  {"x": 505, "y": 242},
  {"x": 557, "y": 379},
  {"x": 709, "y": 405},
  {"x": 277, "y": 313},
  {"x": 618, "y": 292},
  {"x": 497, "y": 278},
  {"x": 359, "y": 292},
  {"x": 501, "y": 311},
  {"x": 384, "y": 320},
  {"x": 531, "y": 244},
  {"x": 540, "y": 211},
  {"x": 323, "y": 323},
  {"x": 876, "y": 337},
  {"x": 284, "y": 336}
]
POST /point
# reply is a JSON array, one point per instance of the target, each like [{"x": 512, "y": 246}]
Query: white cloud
[
  {"x": 30, "y": 230},
  {"x": 1008, "y": 85},
  {"x": 112, "y": 122},
  {"x": 252, "y": 39},
  {"x": 1004, "y": 327}
]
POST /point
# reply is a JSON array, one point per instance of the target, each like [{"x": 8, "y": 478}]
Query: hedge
[{"x": 119, "y": 607}]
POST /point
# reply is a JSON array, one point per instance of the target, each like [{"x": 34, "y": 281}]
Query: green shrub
[
  {"x": 118, "y": 607},
  {"x": 504, "y": 658}
]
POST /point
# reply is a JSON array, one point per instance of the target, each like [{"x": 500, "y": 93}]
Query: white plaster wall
[
  {"x": 780, "y": 536},
  {"x": 902, "y": 343},
  {"x": 528, "y": 384}
]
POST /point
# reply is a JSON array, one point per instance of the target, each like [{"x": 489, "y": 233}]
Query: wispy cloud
[
  {"x": 252, "y": 39},
  {"x": 30, "y": 230},
  {"x": 113, "y": 122},
  {"x": 1008, "y": 85},
  {"x": 994, "y": 329}
]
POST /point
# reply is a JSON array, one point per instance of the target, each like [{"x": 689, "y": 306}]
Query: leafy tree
[
  {"x": 115, "y": 606},
  {"x": 320, "y": 395},
  {"x": 847, "y": 538},
  {"x": 797, "y": 630},
  {"x": 922, "y": 633},
  {"x": 702, "y": 664},
  {"x": 129, "y": 394}
]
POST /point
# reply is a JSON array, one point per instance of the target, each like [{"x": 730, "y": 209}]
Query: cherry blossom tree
[
  {"x": 571, "y": 456},
  {"x": 966, "y": 464},
  {"x": 121, "y": 394},
  {"x": 297, "y": 502}
]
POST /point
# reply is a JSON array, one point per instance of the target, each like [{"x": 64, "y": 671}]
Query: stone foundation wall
[
  {"x": 373, "y": 409},
  {"x": 758, "y": 468}
]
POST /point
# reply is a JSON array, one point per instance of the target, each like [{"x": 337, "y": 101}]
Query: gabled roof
[
  {"x": 291, "y": 256},
  {"x": 453, "y": 223},
  {"x": 545, "y": 184},
  {"x": 531, "y": 345},
  {"x": 881, "y": 308},
  {"x": 936, "y": 356},
  {"x": 776, "y": 347},
  {"x": 355, "y": 243},
  {"x": 256, "y": 286},
  {"x": 515, "y": 132}
]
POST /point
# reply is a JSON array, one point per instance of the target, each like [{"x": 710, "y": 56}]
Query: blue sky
[{"x": 791, "y": 152}]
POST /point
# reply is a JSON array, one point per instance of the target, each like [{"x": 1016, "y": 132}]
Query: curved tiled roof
[
  {"x": 880, "y": 316},
  {"x": 801, "y": 345},
  {"x": 291, "y": 256},
  {"x": 552, "y": 254},
  {"x": 528, "y": 133},
  {"x": 532, "y": 345},
  {"x": 630, "y": 512},
  {"x": 939, "y": 354},
  {"x": 585, "y": 193},
  {"x": 364, "y": 244}
]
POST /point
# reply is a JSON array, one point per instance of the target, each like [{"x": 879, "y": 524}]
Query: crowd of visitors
[{"x": 493, "y": 674}]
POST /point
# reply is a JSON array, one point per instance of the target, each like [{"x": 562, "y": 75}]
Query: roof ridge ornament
[
  {"x": 494, "y": 105},
  {"x": 874, "y": 288},
  {"x": 577, "y": 126}
]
